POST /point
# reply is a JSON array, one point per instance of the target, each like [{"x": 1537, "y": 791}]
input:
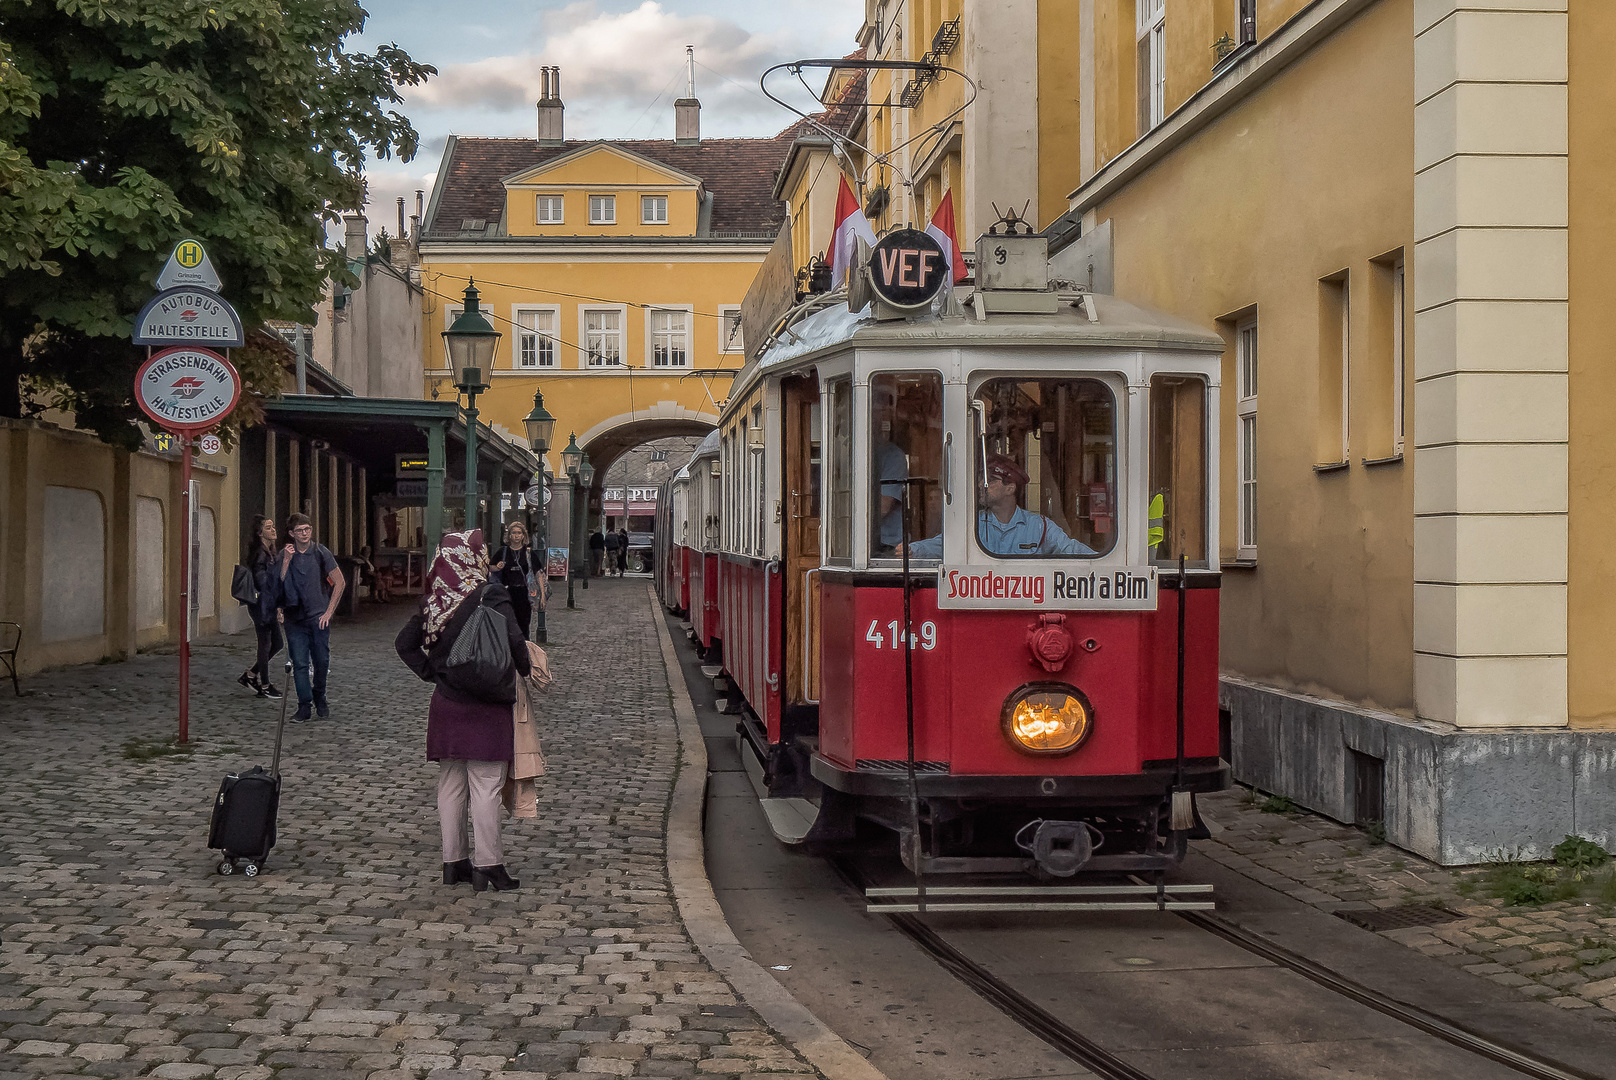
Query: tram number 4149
[{"x": 924, "y": 636}]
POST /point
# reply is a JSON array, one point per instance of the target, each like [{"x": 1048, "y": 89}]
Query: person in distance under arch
[
  {"x": 471, "y": 735},
  {"x": 1002, "y": 526}
]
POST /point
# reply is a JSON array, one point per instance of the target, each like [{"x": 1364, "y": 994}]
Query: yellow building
[
  {"x": 614, "y": 269},
  {"x": 1393, "y": 210}
]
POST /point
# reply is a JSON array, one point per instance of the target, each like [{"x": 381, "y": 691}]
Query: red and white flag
[
  {"x": 851, "y": 225},
  {"x": 941, "y": 230}
]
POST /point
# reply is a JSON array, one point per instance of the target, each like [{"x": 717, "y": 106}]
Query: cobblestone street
[
  {"x": 1563, "y": 952},
  {"x": 125, "y": 954}
]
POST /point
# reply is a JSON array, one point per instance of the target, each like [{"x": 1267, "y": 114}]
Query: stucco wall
[
  {"x": 1591, "y": 616},
  {"x": 75, "y": 565},
  {"x": 1310, "y": 176}
]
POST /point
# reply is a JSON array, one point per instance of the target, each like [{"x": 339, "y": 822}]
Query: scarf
[{"x": 460, "y": 569}]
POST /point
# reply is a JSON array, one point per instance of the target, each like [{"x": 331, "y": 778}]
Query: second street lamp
[
  {"x": 540, "y": 427},
  {"x": 571, "y": 459},
  {"x": 470, "y": 344}
]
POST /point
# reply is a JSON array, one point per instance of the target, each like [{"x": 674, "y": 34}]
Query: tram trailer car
[
  {"x": 1045, "y": 647},
  {"x": 700, "y": 554},
  {"x": 670, "y": 555}
]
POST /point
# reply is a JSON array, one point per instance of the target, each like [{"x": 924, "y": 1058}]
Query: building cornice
[{"x": 1258, "y": 66}]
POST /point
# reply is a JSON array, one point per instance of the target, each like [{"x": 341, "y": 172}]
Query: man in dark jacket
[{"x": 597, "y": 552}]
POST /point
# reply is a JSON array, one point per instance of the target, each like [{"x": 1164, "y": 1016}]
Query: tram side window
[
  {"x": 906, "y": 440},
  {"x": 1048, "y": 484},
  {"x": 1178, "y": 468},
  {"x": 839, "y": 530}
]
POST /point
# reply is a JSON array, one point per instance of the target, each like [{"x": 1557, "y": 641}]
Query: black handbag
[{"x": 242, "y": 586}]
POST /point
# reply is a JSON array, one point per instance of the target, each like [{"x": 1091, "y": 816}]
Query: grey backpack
[{"x": 480, "y": 659}]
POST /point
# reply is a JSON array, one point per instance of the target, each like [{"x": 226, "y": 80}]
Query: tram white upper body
[{"x": 1092, "y": 340}]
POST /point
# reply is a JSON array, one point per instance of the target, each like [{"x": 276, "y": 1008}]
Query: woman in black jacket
[
  {"x": 512, "y": 566},
  {"x": 265, "y": 614},
  {"x": 469, "y": 731}
]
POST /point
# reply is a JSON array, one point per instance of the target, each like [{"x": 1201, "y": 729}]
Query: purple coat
[{"x": 458, "y": 726}]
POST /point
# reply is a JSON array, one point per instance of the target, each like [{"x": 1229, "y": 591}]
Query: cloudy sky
[{"x": 622, "y": 64}]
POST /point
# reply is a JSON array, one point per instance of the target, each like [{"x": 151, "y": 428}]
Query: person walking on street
[
  {"x": 265, "y": 613},
  {"x": 514, "y": 568},
  {"x": 597, "y": 552},
  {"x": 622, "y": 551},
  {"x": 310, "y": 587},
  {"x": 612, "y": 551},
  {"x": 470, "y": 729}
]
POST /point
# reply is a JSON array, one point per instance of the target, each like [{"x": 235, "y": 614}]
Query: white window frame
[
  {"x": 584, "y": 311},
  {"x": 525, "y": 330},
  {"x": 603, "y": 209},
  {"x": 1399, "y": 356},
  {"x": 650, "y": 334},
  {"x": 728, "y": 313},
  {"x": 648, "y": 203},
  {"x": 1150, "y": 34},
  {"x": 1246, "y": 373},
  {"x": 543, "y": 202},
  {"x": 450, "y": 314}
]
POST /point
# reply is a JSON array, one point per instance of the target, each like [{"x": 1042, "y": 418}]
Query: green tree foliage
[{"x": 127, "y": 125}]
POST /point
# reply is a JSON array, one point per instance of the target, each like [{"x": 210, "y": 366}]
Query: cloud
[{"x": 616, "y": 64}]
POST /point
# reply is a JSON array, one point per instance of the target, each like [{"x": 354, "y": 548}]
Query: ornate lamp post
[
  {"x": 572, "y": 460},
  {"x": 540, "y": 426},
  {"x": 470, "y": 345}
]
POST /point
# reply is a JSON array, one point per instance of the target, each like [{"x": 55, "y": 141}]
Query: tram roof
[{"x": 1118, "y": 324}]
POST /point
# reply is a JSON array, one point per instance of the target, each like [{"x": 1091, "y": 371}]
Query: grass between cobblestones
[
  {"x": 1547, "y": 930},
  {"x": 122, "y": 952}
]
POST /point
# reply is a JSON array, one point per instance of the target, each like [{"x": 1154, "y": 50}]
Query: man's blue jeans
[{"x": 306, "y": 642}]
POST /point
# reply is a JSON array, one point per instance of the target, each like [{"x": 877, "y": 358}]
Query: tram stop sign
[
  {"x": 907, "y": 269},
  {"x": 187, "y": 390}
]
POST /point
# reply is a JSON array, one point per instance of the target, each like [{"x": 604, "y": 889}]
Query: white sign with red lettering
[
  {"x": 1043, "y": 587},
  {"x": 187, "y": 389},
  {"x": 210, "y": 444}
]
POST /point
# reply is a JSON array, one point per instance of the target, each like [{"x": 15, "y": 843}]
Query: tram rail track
[{"x": 1109, "y": 1066}]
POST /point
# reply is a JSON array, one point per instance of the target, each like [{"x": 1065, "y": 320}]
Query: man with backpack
[
  {"x": 611, "y": 542},
  {"x": 311, "y": 586}
]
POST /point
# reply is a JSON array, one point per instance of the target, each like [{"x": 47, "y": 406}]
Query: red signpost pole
[{"x": 185, "y": 586}]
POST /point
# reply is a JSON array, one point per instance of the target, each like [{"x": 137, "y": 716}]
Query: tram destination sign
[
  {"x": 189, "y": 316},
  {"x": 1047, "y": 587},
  {"x": 187, "y": 389},
  {"x": 907, "y": 269}
]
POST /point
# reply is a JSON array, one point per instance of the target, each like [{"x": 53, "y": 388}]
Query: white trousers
[{"x": 475, "y": 785}]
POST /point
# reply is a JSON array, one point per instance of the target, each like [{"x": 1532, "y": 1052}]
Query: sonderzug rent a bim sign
[{"x": 188, "y": 316}]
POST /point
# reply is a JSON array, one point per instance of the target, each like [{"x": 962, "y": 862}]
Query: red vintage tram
[{"x": 1044, "y": 458}]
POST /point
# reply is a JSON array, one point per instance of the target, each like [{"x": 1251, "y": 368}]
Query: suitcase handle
[{"x": 280, "y": 728}]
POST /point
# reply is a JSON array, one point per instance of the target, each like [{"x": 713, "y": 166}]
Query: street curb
[{"x": 704, "y": 919}]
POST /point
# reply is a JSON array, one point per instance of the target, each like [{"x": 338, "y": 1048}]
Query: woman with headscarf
[{"x": 469, "y": 736}]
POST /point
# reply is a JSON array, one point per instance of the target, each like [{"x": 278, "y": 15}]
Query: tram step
[{"x": 710, "y": 670}]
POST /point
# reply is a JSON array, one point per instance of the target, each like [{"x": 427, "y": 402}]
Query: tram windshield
[
  {"x": 906, "y": 443},
  {"x": 1045, "y": 468}
]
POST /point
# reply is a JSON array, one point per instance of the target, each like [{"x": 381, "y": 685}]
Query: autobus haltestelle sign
[{"x": 187, "y": 389}]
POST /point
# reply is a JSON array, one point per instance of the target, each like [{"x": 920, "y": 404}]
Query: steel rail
[
  {"x": 1029, "y": 1014},
  {"x": 1448, "y": 1031}
]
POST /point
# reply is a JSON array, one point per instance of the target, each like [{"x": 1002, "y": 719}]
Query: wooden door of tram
[{"x": 800, "y": 400}]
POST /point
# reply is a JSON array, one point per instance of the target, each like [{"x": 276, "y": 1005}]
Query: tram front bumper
[{"x": 1155, "y": 780}]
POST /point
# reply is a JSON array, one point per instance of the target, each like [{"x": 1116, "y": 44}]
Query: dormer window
[
  {"x": 653, "y": 209},
  {"x": 551, "y": 210},
  {"x": 603, "y": 209}
]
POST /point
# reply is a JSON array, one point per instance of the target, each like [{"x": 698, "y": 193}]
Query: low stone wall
[{"x": 1451, "y": 795}]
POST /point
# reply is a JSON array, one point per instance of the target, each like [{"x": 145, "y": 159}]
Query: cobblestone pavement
[
  {"x": 1563, "y": 952},
  {"x": 124, "y": 954}
]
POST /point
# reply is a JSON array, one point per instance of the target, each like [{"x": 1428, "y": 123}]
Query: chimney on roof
[
  {"x": 687, "y": 110},
  {"x": 354, "y": 243},
  {"x": 550, "y": 107}
]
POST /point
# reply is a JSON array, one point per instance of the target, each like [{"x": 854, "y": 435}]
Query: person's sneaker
[
  {"x": 302, "y": 713},
  {"x": 249, "y": 679},
  {"x": 268, "y": 691},
  {"x": 322, "y": 710}
]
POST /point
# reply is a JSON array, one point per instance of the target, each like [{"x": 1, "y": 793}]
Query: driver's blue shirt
[{"x": 1025, "y": 533}]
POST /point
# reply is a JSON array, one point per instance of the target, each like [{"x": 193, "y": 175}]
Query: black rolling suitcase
[{"x": 243, "y": 825}]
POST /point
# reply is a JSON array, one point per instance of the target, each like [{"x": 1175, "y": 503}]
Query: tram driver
[{"x": 1002, "y": 526}]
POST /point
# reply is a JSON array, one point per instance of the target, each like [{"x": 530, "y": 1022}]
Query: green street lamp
[
  {"x": 540, "y": 427},
  {"x": 572, "y": 461},
  {"x": 470, "y": 345}
]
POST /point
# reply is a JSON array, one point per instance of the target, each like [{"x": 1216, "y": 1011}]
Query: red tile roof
[{"x": 737, "y": 174}]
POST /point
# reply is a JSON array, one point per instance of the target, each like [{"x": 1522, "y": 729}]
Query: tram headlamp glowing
[{"x": 1047, "y": 718}]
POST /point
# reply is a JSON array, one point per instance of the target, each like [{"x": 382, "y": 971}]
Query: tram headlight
[{"x": 1047, "y": 718}]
